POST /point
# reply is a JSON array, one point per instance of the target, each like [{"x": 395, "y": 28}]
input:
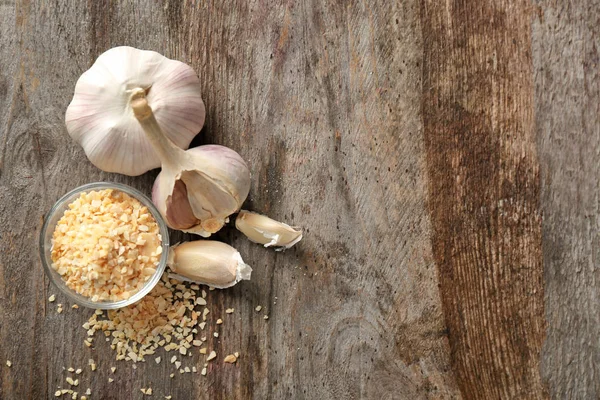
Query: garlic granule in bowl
[{"x": 104, "y": 247}]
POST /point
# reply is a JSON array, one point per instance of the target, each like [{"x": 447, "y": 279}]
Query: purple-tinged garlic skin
[{"x": 201, "y": 200}]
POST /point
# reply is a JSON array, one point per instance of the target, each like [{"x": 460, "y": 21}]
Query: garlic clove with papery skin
[
  {"x": 100, "y": 119},
  {"x": 266, "y": 231},
  {"x": 208, "y": 262},
  {"x": 197, "y": 189}
]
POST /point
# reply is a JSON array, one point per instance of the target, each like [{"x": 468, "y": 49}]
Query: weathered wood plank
[
  {"x": 323, "y": 100},
  {"x": 484, "y": 192},
  {"x": 566, "y": 39}
]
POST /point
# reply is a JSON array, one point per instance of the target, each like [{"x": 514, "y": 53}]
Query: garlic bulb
[
  {"x": 197, "y": 189},
  {"x": 100, "y": 119},
  {"x": 208, "y": 262},
  {"x": 264, "y": 230}
]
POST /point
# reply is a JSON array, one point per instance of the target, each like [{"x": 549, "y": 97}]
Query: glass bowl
[{"x": 56, "y": 213}]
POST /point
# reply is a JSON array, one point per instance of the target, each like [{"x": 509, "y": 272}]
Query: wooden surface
[
  {"x": 566, "y": 43},
  {"x": 483, "y": 178},
  {"x": 442, "y": 158}
]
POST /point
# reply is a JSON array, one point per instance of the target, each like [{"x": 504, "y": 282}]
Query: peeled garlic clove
[
  {"x": 208, "y": 262},
  {"x": 264, "y": 230},
  {"x": 99, "y": 117},
  {"x": 198, "y": 189}
]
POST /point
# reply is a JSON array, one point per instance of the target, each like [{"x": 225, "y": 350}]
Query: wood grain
[
  {"x": 418, "y": 143},
  {"x": 484, "y": 192},
  {"x": 566, "y": 39},
  {"x": 323, "y": 100}
]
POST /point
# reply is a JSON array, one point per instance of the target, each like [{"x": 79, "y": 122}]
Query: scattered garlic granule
[
  {"x": 211, "y": 356},
  {"x": 201, "y": 301},
  {"x": 8, "y": 363},
  {"x": 106, "y": 245},
  {"x": 230, "y": 359},
  {"x": 163, "y": 318},
  {"x": 52, "y": 298},
  {"x": 229, "y": 310}
]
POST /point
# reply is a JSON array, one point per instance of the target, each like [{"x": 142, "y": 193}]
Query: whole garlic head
[
  {"x": 197, "y": 189},
  {"x": 101, "y": 120}
]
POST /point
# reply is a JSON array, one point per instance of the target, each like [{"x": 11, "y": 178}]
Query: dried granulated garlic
[{"x": 106, "y": 245}]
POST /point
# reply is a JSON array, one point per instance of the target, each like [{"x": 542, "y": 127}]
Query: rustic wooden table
[{"x": 442, "y": 157}]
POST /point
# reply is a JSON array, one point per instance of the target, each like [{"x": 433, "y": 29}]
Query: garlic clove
[
  {"x": 266, "y": 231},
  {"x": 99, "y": 117},
  {"x": 208, "y": 262}
]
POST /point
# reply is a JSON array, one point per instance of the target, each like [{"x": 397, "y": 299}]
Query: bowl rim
[{"x": 78, "y": 298}]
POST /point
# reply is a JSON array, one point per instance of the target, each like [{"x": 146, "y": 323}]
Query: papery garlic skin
[
  {"x": 214, "y": 190},
  {"x": 100, "y": 118},
  {"x": 266, "y": 231},
  {"x": 208, "y": 262},
  {"x": 198, "y": 189}
]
